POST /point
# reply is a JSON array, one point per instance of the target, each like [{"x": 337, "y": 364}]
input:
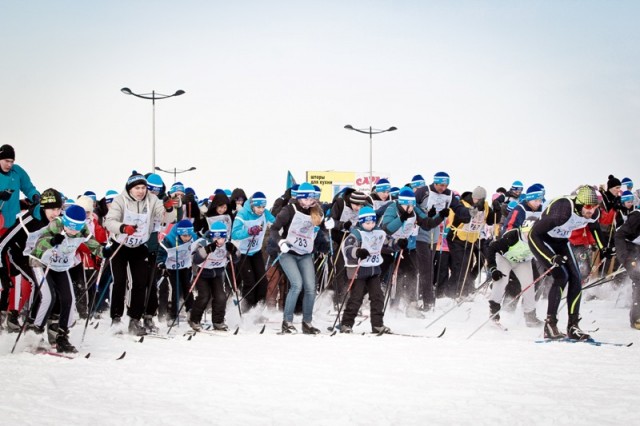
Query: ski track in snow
[{"x": 495, "y": 377}]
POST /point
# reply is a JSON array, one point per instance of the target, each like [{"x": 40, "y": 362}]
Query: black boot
[
  {"x": 136, "y": 328},
  {"x": 62, "y": 342},
  {"x": 288, "y": 328},
  {"x": 149, "y": 325},
  {"x": 307, "y": 328},
  {"x": 52, "y": 331},
  {"x": 13, "y": 323},
  {"x": 573, "y": 329},
  {"x": 494, "y": 308},
  {"x": 551, "y": 328}
]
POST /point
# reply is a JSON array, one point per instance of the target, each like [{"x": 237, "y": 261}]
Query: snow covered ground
[{"x": 496, "y": 377}]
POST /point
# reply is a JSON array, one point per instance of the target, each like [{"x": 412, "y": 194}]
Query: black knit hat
[
  {"x": 134, "y": 180},
  {"x": 51, "y": 199},
  {"x": 613, "y": 182},
  {"x": 7, "y": 152}
]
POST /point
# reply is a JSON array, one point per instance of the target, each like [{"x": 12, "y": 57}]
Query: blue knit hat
[
  {"x": 394, "y": 192},
  {"x": 228, "y": 192},
  {"x": 154, "y": 182},
  {"x": 534, "y": 192},
  {"x": 184, "y": 227},
  {"x": 366, "y": 214},
  {"x": 406, "y": 197},
  {"x": 177, "y": 186},
  {"x": 316, "y": 192},
  {"x": 217, "y": 230},
  {"x": 517, "y": 186},
  {"x": 294, "y": 190},
  {"x": 74, "y": 217},
  {"x": 417, "y": 181},
  {"x": 627, "y": 182},
  {"x": 383, "y": 185},
  {"x": 259, "y": 199},
  {"x": 305, "y": 190},
  {"x": 441, "y": 178},
  {"x": 512, "y": 205},
  {"x": 110, "y": 195},
  {"x": 91, "y": 195},
  {"x": 626, "y": 196}
]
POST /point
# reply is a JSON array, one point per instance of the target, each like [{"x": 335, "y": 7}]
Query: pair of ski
[
  {"x": 395, "y": 334},
  {"x": 209, "y": 331},
  {"x": 589, "y": 341},
  {"x": 44, "y": 351}
]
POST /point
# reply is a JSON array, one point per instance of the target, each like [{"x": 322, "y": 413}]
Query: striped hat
[
  {"x": 517, "y": 186},
  {"x": 109, "y": 196},
  {"x": 534, "y": 192},
  {"x": 176, "y": 187},
  {"x": 406, "y": 197},
  {"x": 184, "y": 227},
  {"x": 357, "y": 198},
  {"x": 134, "y": 180},
  {"x": 626, "y": 196},
  {"x": 627, "y": 182},
  {"x": 305, "y": 190},
  {"x": 154, "y": 182},
  {"x": 217, "y": 230},
  {"x": 417, "y": 181}
]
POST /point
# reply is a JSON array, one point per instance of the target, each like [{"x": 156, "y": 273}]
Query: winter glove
[
  {"x": 402, "y": 243},
  {"x": 444, "y": 213},
  {"x": 6, "y": 194},
  {"x": 168, "y": 203},
  {"x": 329, "y": 224},
  {"x": 558, "y": 260},
  {"x": 128, "y": 229},
  {"x": 210, "y": 248},
  {"x": 284, "y": 247},
  {"x": 255, "y": 230},
  {"x": 231, "y": 248},
  {"x": 496, "y": 274},
  {"x": 346, "y": 226},
  {"x": 607, "y": 252},
  {"x": 362, "y": 253},
  {"x": 107, "y": 252},
  {"x": 403, "y": 214},
  {"x": 35, "y": 198},
  {"x": 432, "y": 212},
  {"x": 56, "y": 239}
]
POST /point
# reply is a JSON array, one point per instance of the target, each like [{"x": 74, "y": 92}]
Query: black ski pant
[
  {"x": 57, "y": 288},
  {"x": 442, "y": 262},
  {"x": 461, "y": 253},
  {"x": 210, "y": 288},
  {"x": 136, "y": 260},
  {"x": 251, "y": 271},
  {"x": 180, "y": 281},
  {"x": 425, "y": 257},
  {"x": 569, "y": 273},
  {"x": 359, "y": 289}
]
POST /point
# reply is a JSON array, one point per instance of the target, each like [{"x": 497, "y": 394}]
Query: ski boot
[
  {"x": 551, "y": 328},
  {"x": 136, "y": 328},
  {"x": 52, "y": 331},
  {"x": 62, "y": 342},
  {"x": 13, "y": 323},
  {"x": 307, "y": 328},
  {"x": 220, "y": 327},
  {"x": 195, "y": 326},
  {"x": 288, "y": 328},
  {"x": 494, "y": 309},
  {"x": 573, "y": 329},
  {"x": 531, "y": 320},
  {"x": 149, "y": 326},
  {"x": 381, "y": 329},
  {"x": 345, "y": 329}
]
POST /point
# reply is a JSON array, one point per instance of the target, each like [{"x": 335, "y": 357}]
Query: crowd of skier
[{"x": 162, "y": 252}]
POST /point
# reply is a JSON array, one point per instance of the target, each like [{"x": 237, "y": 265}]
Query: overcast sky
[{"x": 488, "y": 91}]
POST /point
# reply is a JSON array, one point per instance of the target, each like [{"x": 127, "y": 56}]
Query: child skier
[{"x": 362, "y": 253}]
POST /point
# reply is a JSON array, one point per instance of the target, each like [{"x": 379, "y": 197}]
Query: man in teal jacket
[{"x": 13, "y": 180}]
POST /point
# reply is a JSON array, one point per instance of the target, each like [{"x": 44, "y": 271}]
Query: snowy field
[{"x": 496, "y": 377}]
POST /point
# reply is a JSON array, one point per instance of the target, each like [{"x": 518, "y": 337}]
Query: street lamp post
[
  {"x": 175, "y": 171},
  {"x": 153, "y": 96},
  {"x": 370, "y": 131}
]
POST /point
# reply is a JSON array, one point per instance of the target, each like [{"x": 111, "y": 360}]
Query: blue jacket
[
  {"x": 241, "y": 232},
  {"x": 170, "y": 242},
  {"x": 18, "y": 180}
]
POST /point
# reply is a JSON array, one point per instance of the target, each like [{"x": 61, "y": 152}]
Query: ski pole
[
  {"x": 24, "y": 324},
  {"x": 599, "y": 280},
  {"x": 394, "y": 280},
  {"x": 344, "y": 298},
  {"x": 235, "y": 285},
  {"x": 460, "y": 302},
  {"x": 512, "y": 300},
  {"x": 93, "y": 299},
  {"x": 193, "y": 284}
]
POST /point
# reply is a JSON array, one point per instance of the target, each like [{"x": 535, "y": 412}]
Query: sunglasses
[{"x": 590, "y": 206}]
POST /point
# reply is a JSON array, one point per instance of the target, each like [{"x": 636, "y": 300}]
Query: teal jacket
[{"x": 18, "y": 180}]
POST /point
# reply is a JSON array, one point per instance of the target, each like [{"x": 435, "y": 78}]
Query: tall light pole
[
  {"x": 153, "y": 96},
  {"x": 370, "y": 131},
  {"x": 175, "y": 171}
]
